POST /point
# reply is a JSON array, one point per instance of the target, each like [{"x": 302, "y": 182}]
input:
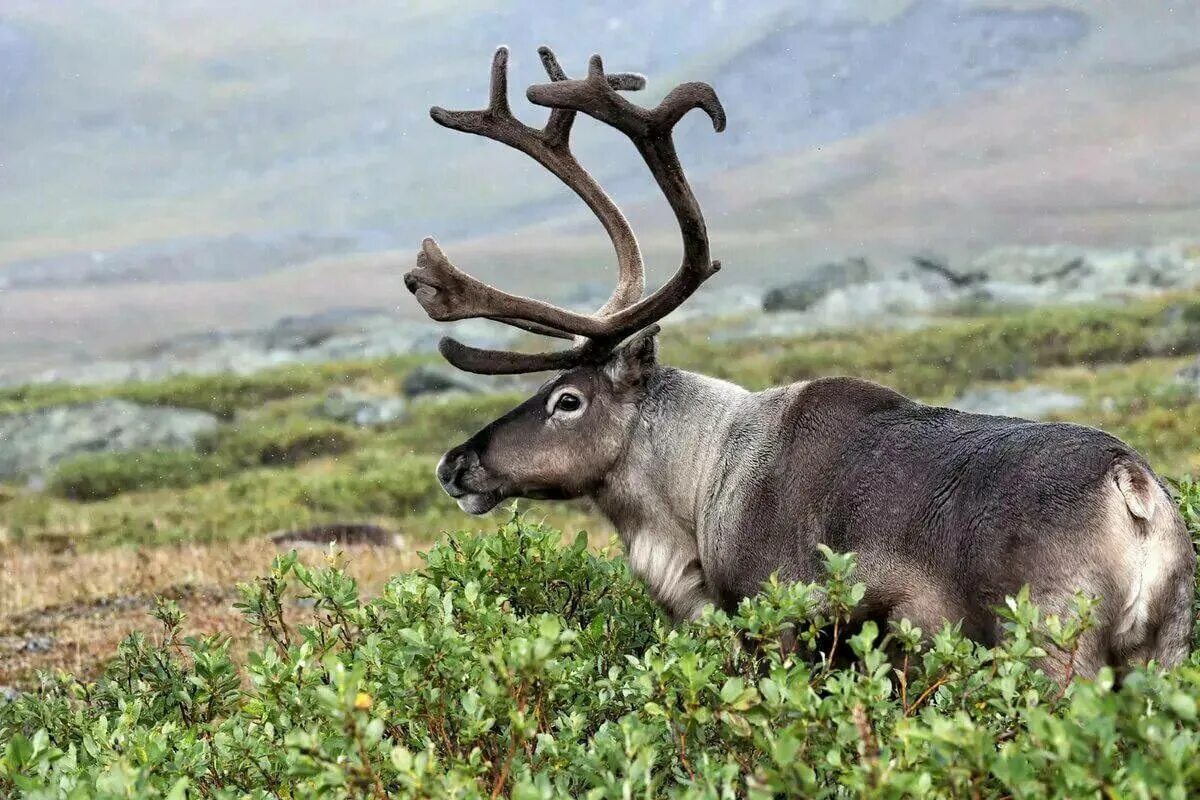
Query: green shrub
[
  {"x": 1187, "y": 493},
  {"x": 403, "y": 487},
  {"x": 223, "y": 394},
  {"x": 102, "y": 475},
  {"x": 274, "y": 443},
  {"x": 271, "y": 443},
  {"x": 513, "y": 666}
]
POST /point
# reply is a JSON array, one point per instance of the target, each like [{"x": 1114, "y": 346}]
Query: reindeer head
[{"x": 561, "y": 442}]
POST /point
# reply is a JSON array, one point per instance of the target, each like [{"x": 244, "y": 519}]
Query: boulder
[
  {"x": 1061, "y": 265},
  {"x": 801, "y": 294},
  {"x": 895, "y": 303},
  {"x": 1032, "y": 402},
  {"x": 1055, "y": 274},
  {"x": 339, "y": 335},
  {"x": 37, "y": 643},
  {"x": 1189, "y": 377},
  {"x": 34, "y": 441},
  {"x": 1177, "y": 332},
  {"x": 866, "y": 304},
  {"x": 439, "y": 380},
  {"x": 936, "y": 265},
  {"x": 362, "y": 409}
]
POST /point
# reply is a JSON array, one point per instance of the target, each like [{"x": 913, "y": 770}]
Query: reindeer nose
[{"x": 453, "y": 466}]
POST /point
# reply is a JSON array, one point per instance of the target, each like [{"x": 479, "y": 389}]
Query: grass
[
  {"x": 279, "y": 444},
  {"x": 88, "y": 602},
  {"x": 286, "y": 443},
  {"x": 930, "y": 362},
  {"x": 938, "y": 362},
  {"x": 276, "y": 465},
  {"x": 100, "y": 476},
  {"x": 137, "y": 523}
]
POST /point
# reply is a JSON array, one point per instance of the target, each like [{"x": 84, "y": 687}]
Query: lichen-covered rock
[
  {"x": 33, "y": 441},
  {"x": 1189, "y": 376},
  {"x": 901, "y": 302},
  {"x": 362, "y": 409},
  {"x": 1032, "y": 402},
  {"x": 803, "y": 293},
  {"x": 353, "y": 335},
  {"x": 1069, "y": 274},
  {"x": 439, "y": 380}
]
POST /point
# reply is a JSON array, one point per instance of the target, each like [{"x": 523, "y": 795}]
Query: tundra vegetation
[{"x": 525, "y": 663}]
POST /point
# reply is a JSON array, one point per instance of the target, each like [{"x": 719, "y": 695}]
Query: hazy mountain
[{"x": 139, "y": 139}]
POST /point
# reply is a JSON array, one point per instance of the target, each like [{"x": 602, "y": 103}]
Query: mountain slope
[{"x": 879, "y": 129}]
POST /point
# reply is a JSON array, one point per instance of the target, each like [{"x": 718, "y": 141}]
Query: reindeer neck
[{"x": 668, "y": 472}]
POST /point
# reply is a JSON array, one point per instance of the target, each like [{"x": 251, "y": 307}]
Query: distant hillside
[{"x": 131, "y": 127}]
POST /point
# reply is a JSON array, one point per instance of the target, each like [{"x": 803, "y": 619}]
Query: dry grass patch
[
  {"x": 65, "y": 610},
  {"x": 69, "y": 610},
  {"x": 39, "y": 579}
]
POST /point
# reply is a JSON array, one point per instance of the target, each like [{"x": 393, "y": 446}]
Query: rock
[
  {"x": 936, "y": 265},
  {"x": 33, "y": 441},
  {"x": 1032, "y": 402},
  {"x": 364, "y": 410},
  {"x": 1057, "y": 264},
  {"x": 837, "y": 294},
  {"x": 1177, "y": 332},
  {"x": 439, "y": 380},
  {"x": 37, "y": 644},
  {"x": 800, "y": 294},
  {"x": 338, "y": 335},
  {"x": 1057, "y": 274},
  {"x": 885, "y": 304},
  {"x": 342, "y": 534},
  {"x": 865, "y": 304},
  {"x": 1189, "y": 377},
  {"x": 8, "y": 694}
]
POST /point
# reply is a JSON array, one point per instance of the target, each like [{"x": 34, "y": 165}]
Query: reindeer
[{"x": 714, "y": 488}]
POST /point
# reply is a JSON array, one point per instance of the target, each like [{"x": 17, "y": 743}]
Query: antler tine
[
  {"x": 451, "y": 294},
  {"x": 505, "y": 362},
  {"x": 447, "y": 293},
  {"x": 594, "y": 95},
  {"x": 650, "y": 130},
  {"x": 558, "y": 126}
]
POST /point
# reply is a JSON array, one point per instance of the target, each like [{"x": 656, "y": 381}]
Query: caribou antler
[{"x": 447, "y": 293}]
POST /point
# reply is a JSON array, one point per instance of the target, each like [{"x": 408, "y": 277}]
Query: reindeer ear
[{"x": 632, "y": 362}]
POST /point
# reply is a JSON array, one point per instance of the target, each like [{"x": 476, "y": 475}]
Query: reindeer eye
[{"x": 566, "y": 402}]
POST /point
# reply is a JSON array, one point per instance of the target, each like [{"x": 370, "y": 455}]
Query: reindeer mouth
[
  {"x": 457, "y": 473},
  {"x": 472, "y": 502},
  {"x": 478, "y": 504}
]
